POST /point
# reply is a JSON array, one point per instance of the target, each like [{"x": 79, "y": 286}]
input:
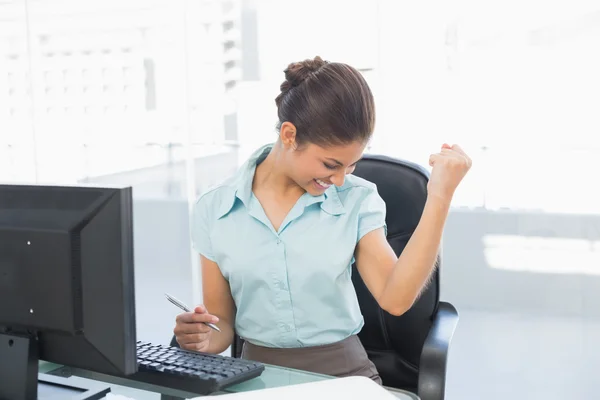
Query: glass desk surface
[{"x": 273, "y": 376}]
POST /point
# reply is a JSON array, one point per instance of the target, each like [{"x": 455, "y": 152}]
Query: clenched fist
[{"x": 449, "y": 167}]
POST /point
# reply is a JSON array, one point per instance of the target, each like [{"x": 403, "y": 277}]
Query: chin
[
  {"x": 310, "y": 190},
  {"x": 314, "y": 192}
]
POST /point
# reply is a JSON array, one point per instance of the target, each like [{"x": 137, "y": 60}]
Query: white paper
[{"x": 351, "y": 388}]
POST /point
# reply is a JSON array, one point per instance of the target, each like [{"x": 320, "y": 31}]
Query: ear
[{"x": 287, "y": 135}]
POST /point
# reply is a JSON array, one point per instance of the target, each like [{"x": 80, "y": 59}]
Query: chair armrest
[{"x": 434, "y": 356}]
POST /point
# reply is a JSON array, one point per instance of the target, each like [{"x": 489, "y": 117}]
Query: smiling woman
[{"x": 277, "y": 241}]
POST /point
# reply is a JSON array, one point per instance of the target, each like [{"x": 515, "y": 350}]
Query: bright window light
[{"x": 546, "y": 255}]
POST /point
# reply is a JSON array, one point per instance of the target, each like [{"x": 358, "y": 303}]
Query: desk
[{"x": 272, "y": 377}]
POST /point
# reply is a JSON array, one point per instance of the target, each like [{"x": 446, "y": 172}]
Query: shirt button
[{"x": 278, "y": 241}]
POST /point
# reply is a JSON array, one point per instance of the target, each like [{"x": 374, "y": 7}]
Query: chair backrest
[{"x": 393, "y": 343}]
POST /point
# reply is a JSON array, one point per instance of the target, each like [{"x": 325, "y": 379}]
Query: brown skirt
[{"x": 345, "y": 358}]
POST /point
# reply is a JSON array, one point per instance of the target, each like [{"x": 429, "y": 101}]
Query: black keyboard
[{"x": 190, "y": 371}]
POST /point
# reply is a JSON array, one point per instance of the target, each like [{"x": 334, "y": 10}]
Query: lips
[{"x": 322, "y": 184}]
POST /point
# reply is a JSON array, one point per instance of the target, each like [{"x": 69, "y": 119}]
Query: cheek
[
  {"x": 311, "y": 174},
  {"x": 321, "y": 173},
  {"x": 307, "y": 171}
]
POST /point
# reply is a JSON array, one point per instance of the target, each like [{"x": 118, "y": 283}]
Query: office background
[{"x": 172, "y": 96}]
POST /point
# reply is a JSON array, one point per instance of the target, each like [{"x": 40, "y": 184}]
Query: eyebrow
[{"x": 340, "y": 163}]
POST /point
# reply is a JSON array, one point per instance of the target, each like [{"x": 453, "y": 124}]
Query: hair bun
[{"x": 298, "y": 72}]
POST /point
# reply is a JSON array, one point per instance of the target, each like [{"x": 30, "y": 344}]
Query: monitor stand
[{"x": 21, "y": 380}]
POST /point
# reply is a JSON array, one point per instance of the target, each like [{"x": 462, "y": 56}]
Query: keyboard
[{"x": 190, "y": 371}]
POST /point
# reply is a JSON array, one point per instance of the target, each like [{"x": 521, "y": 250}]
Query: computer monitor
[{"x": 66, "y": 285}]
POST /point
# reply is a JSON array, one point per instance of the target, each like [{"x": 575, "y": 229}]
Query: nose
[{"x": 338, "y": 179}]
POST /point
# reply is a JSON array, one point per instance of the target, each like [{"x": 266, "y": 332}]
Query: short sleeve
[
  {"x": 371, "y": 214},
  {"x": 200, "y": 231}
]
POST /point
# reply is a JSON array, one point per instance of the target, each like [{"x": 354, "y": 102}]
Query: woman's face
[{"x": 315, "y": 168}]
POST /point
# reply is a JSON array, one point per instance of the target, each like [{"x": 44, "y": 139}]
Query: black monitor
[{"x": 66, "y": 285}]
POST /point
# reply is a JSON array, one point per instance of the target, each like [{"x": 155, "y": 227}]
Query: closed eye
[{"x": 332, "y": 167}]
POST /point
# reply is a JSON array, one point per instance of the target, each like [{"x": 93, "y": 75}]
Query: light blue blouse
[{"x": 292, "y": 287}]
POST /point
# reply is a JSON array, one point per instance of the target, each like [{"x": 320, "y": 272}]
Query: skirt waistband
[{"x": 344, "y": 358}]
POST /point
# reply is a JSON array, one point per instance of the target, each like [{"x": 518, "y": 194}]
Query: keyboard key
[{"x": 155, "y": 366}]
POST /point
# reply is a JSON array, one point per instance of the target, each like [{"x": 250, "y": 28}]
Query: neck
[{"x": 270, "y": 175}]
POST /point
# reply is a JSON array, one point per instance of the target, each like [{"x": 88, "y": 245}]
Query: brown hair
[{"x": 329, "y": 103}]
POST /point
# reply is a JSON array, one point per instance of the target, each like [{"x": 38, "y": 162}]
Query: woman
[{"x": 277, "y": 240}]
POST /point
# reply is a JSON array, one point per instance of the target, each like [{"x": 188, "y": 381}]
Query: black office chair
[{"x": 410, "y": 351}]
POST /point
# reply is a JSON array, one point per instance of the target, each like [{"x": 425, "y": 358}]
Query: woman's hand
[
  {"x": 450, "y": 166},
  {"x": 191, "y": 332}
]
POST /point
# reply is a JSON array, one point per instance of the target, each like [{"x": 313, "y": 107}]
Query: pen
[{"x": 185, "y": 308}]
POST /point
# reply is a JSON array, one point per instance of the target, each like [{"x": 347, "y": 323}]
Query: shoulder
[
  {"x": 212, "y": 201},
  {"x": 215, "y": 194},
  {"x": 357, "y": 193}
]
